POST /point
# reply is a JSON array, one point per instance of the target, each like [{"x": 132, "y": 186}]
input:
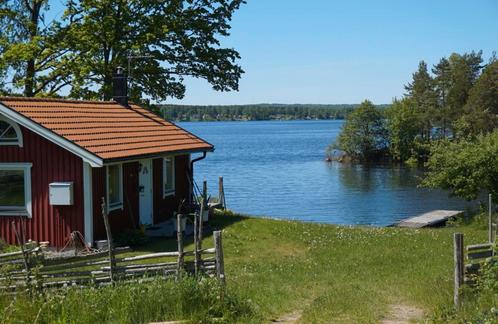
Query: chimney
[{"x": 120, "y": 87}]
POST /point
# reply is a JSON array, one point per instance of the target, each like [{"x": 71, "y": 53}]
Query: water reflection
[{"x": 277, "y": 169}]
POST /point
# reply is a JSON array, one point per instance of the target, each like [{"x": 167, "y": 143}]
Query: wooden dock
[{"x": 432, "y": 218}]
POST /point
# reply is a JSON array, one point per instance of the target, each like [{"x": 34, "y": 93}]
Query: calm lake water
[{"x": 277, "y": 169}]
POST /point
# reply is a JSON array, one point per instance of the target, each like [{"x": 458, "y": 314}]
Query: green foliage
[
  {"x": 466, "y": 168},
  {"x": 254, "y": 112},
  {"x": 404, "y": 125},
  {"x": 458, "y": 100},
  {"x": 364, "y": 135},
  {"x": 80, "y": 51}
]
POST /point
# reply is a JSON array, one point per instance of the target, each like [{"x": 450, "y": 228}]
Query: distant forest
[{"x": 256, "y": 112}]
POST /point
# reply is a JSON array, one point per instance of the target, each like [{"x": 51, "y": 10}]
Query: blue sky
[{"x": 328, "y": 51}]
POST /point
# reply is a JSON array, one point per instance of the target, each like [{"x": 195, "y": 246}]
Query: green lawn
[
  {"x": 322, "y": 273},
  {"x": 332, "y": 273}
]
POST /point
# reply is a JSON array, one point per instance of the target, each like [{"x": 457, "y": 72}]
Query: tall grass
[{"x": 159, "y": 300}]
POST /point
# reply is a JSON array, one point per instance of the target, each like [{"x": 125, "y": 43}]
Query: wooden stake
[
  {"x": 458, "y": 266},
  {"x": 179, "y": 236},
  {"x": 196, "y": 243},
  {"x": 220, "y": 262},
  {"x": 490, "y": 220},
  {"x": 204, "y": 191},
  {"x": 110, "y": 245},
  {"x": 221, "y": 193}
]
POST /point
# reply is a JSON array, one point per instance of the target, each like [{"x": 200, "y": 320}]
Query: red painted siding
[
  {"x": 128, "y": 217},
  {"x": 119, "y": 219},
  {"x": 51, "y": 163},
  {"x": 165, "y": 206}
]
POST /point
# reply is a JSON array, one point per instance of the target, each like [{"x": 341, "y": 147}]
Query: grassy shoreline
[{"x": 322, "y": 273}]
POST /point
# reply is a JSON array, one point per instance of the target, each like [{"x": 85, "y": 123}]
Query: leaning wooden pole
[
  {"x": 458, "y": 266},
  {"x": 179, "y": 236},
  {"x": 110, "y": 244}
]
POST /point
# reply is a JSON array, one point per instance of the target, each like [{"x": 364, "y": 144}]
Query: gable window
[
  {"x": 15, "y": 189},
  {"x": 169, "y": 176},
  {"x": 114, "y": 187},
  {"x": 10, "y": 133}
]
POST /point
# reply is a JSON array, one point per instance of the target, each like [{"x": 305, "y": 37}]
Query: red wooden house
[{"x": 58, "y": 158}]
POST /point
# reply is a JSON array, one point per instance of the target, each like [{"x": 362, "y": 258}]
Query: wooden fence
[
  {"x": 31, "y": 267},
  {"x": 468, "y": 260}
]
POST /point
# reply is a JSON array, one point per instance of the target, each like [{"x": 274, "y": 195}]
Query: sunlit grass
[{"x": 325, "y": 273}]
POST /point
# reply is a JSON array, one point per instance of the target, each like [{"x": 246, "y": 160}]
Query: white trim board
[
  {"x": 91, "y": 158},
  {"x": 27, "y": 210},
  {"x": 88, "y": 203}
]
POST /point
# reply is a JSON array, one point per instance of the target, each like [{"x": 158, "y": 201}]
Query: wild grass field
[{"x": 278, "y": 270}]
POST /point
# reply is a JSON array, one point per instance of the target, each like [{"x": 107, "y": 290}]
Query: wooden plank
[
  {"x": 479, "y": 255},
  {"x": 431, "y": 218},
  {"x": 150, "y": 256},
  {"x": 479, "y": 247}
]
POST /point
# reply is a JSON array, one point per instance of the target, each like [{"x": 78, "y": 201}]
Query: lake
[{"x": 278, "y": 169}]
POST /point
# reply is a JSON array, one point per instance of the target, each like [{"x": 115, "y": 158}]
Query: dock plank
[{"x": 428, "y": 219}]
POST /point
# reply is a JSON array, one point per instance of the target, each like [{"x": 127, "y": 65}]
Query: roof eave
[{"x": 156, "y": 155}]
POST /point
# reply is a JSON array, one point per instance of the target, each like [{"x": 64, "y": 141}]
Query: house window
[
  {"x": 169, "y": 176},
  {"x": 15, "y": 189},
  {"x": 10, "y": 133},
  {"x": 114, "y": 187}
]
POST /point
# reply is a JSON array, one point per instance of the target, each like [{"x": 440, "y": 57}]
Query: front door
[{"x": 145, "y": 191}]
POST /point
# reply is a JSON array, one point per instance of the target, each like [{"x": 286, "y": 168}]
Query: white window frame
[
  {"x": 27, "y": 209},
  {"x": 18, "y": 141},
  {"x": 170, "y": 192},
  {"x": 118, "y": 205}
]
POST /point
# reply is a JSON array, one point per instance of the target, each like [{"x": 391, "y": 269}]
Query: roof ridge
[{"x": 45, "y": 99}]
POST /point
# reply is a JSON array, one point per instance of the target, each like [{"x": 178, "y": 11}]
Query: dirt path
[
  {"x": 403, "y": 314},
  {"x": 293, "y": 317}
]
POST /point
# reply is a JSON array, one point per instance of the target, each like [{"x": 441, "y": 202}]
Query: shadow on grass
[{"x": 219, "y": 221}]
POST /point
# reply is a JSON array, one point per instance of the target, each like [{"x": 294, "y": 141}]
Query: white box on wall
[{"x": 61, "y": 193}]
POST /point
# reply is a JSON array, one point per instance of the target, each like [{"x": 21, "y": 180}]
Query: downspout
[{"x": 204, "y": 154}]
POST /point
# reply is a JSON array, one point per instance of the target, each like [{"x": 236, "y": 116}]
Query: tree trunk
[{"x": 29, "y": 83}]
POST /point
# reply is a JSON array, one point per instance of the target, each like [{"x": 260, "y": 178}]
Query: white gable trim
[{"x": 92, "y": 159}]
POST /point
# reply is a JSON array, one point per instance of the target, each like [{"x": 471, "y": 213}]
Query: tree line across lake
[
  {"x": 255, "y": 112},
  {"x": 447, "y": 121}
]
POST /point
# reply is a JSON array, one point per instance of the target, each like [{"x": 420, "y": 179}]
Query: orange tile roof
[{"x": 107, "y": 129}]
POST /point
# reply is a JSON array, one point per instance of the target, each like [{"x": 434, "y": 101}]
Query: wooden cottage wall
[
  {"x": 119, "y": 219},
  {"x": 165, "y": 206},
  {"x": 51, "y": 163}
]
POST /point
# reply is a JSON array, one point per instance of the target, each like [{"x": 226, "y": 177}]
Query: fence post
[
  {"x": 490, "y": 220},
  {"x": 196, "y": 243},
  {"x": 221, "y": 193},
  {"x": 179, "y": 236},
  {"x": 220, "y": 262},
  {"x": 110, "y": 244},
  {"x": 458, "y": 264},
  {"x": 204, "y": 191}
]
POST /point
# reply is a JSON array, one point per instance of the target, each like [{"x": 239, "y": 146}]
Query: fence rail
[{"x": 31, "y": 267}]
